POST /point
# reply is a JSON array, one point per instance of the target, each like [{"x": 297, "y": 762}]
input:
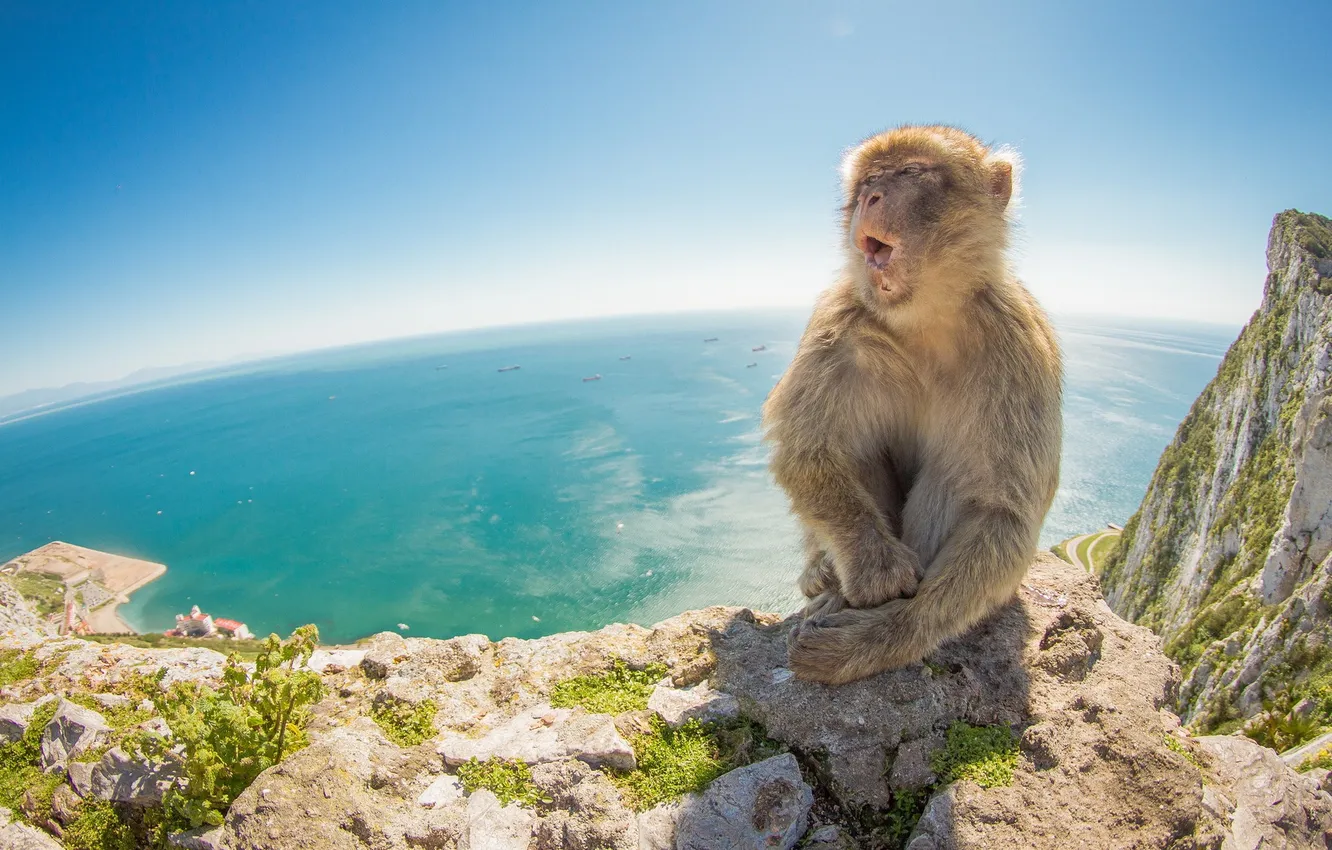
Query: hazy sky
[{"x": 181, "y": 182}]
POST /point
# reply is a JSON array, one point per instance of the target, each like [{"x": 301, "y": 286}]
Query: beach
[{"x": 101, "y": 581}]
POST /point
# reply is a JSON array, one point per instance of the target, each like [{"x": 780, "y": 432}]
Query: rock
[
  {"x": 72, "y": 731},
  {"x": 199, "y": 838},
  {"x": 18, "y": 836},
  {"x": 14, "y": 719},
  {"x": 934, "y": 830},
  {"x": 491, "y": 826},
  {"x": 64, "y": 804},
  {"x": 911, "y": 767},
  {"x": 443, "y": 791},
  {"x": 679, "y": 705},
  {"x": 585, "y": 811},
  {"x": 403, "y": 690},
  {"x": 657, "y": 826},
  {"x": 6, "y": 815},
  {"x": 761, "y": 806},
  {"x": 118, "y": 778},
  {"x": 1274, "y": 807},
  {"x": 543, "y": 734},
  {"x": 377, "y": 663},
  {"x": 111, "y": 700},
  {"x": 335, "y": 660}
]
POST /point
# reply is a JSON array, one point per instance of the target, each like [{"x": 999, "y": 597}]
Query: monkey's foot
[
  {"x": 827, "y": 602},
  {"x": 818, "y": 576},
  {"x": 848, "y": 645}
]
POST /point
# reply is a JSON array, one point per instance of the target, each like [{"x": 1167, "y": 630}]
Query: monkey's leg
[
  {"x": 977, "y": 571},
  {"x": 837, "y": 498}
]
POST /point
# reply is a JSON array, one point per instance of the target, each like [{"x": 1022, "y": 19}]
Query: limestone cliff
[
  {"x": 1046, "y": 727},
  {"x": 1228, "y": 556}
]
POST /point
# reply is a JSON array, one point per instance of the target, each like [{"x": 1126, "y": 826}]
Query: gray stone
[
  {"x": 443, "y": 791},
  {"x": 491, "y": 826},
  {"x": 657, "y": 826},
  {"x": 1275, "y": 808},
  {"x": 376, "y": 664},
  {"x": 199, "y": 838},
  {"x": 911, "y": 768},
  {"x": 6, "y": 815},
  {"x": 680, "y": 705},
  {"x": 402, "y": 690},
  {"x": 764, "y": 805},
  {"x": 18, "y": 836},
  {"x": 14, "y": 719},
  {"x": 584, "y": 810},
  {"x": 118, "y": 778},
  {"x": 111, "y": 700},
  {"x": 543, "y": 734},
  {"x": 335, "y": 660},
  {"x": 934, "y": 830},
  {"x": 72, "y": 731}
]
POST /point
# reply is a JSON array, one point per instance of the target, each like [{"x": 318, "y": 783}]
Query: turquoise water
[{"x": 364, "y": 487}]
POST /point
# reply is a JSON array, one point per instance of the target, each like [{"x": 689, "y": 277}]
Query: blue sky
[{"x": 181, "y": 183}]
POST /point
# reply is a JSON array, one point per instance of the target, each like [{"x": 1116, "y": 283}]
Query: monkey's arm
[{"x": 831, "y": 490}]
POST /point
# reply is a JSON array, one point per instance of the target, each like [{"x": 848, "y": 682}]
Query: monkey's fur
[{"x": 917, "y": 431}]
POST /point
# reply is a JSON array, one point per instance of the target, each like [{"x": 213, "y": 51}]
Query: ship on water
[
  {"x": 759, "y": 348},
  {"x": 596, "y": 377},
  {"x": 508, "y": 368},
  {"x": 751, "y": 365},
  {"x": 711, "y": 339},
  {"x": 626, "y": 357}
]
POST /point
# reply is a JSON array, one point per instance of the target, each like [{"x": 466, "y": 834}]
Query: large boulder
[
  {"x": 544, "y": 734},
  {"x": 120, "y": 778},
  {"x": 765, "y": 805}
]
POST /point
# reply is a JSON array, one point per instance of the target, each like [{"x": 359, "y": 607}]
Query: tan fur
[{"x": 917, "y": 431}]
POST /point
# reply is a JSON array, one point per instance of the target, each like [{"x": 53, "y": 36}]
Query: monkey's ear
[{"x": 1004, "y": 165}]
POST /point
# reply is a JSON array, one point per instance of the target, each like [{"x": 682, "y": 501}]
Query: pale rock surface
[
  {"x": 585, "y": 810},
  {"x": 491, "y": 826},
  {"x": 764, "y": 805},
  {"x": 679, "y": 705},
  {"x": 543, "y": 734},
  {"x": 657, "y": 826},
  {"x": 14, "y": 718},
  {"x": 443, "y": 791},
  {"x": 72, "y": 731},
  {"x": 119, "y": 778},
  {"x": 335, "y": 660},
  {"x": 18, "y": 836},
  {"x": 1271, "y": 808}
]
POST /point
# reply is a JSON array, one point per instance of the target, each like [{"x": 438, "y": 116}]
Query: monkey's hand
[
  {"x": 878, "y": 569},
  {"x": 827, "y": 602},
  {"x": 847, "y": 645}
]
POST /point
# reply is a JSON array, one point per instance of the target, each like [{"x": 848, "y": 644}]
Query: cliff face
[{"x": 1228, "y": 556}]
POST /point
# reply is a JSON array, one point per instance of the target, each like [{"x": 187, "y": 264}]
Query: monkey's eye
[{"x": 910, "y": 170}]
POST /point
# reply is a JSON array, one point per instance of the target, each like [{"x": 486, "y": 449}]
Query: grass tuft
[
  {"x": 405, "y": 724},
  {"x": 509, "y": 780},
  {"x": 619, "y": 690}
]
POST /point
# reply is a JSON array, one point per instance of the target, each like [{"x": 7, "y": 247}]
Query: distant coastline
[{"x": 95, "y": 583}]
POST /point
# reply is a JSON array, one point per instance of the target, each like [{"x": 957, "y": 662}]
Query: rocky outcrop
[
  {"x": 17, "y": 619},
  {"x": 1077, "y": 700},
  {"x": 1228, "y": 555}
]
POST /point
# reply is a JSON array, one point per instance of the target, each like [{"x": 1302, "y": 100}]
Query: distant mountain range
[{"x": 51, "y": 398}]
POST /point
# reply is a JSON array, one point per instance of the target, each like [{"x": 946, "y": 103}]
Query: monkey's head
[{"x": 926, "y": 214}]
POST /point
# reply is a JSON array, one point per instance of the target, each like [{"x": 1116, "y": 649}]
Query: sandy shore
[{"x": 119, "y": 575}]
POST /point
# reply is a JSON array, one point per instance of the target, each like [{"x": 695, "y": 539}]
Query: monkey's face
[
  {"x": 924, "y": 207},
  {"x": 898, "y": 206}
]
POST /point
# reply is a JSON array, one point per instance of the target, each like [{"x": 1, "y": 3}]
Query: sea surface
[{"x": 412, "y": 482}]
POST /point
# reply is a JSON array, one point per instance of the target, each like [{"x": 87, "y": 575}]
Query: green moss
[
  {"x": 985, "y": 755},
  {"x": 404, "y": 724},
  {"x": 508, "y": 780},
  {"x": 98, "y": 826},
  {"x": 677, "y": 761},
  {"x": 1061, "y": 551},
  {"x": 1176, "y": 745},
  {"x": 44, "y": 591},
  {"x": 20, "y": 771},
  {"x": 17, "y": 666},
  {"x": 1323, "y": 759},
  {"x": 619, "y": 690}
]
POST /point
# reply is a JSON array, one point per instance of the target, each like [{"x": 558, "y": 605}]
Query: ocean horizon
[{"x": 411, "y": 481}]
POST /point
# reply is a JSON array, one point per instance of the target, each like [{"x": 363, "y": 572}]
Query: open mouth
[{"x": 877, "y": 254}]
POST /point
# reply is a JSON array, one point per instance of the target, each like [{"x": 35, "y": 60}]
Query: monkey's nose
[{"x": 872, "y": 200}]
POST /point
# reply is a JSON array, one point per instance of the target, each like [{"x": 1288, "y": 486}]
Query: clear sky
[{"x": 185, "y": 181}]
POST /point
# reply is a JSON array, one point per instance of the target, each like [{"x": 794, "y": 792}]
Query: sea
[{"x": 417, "y": 486}]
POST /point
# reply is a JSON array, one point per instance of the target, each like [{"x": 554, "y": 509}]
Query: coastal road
[{"x": 1074, "y": 546}]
